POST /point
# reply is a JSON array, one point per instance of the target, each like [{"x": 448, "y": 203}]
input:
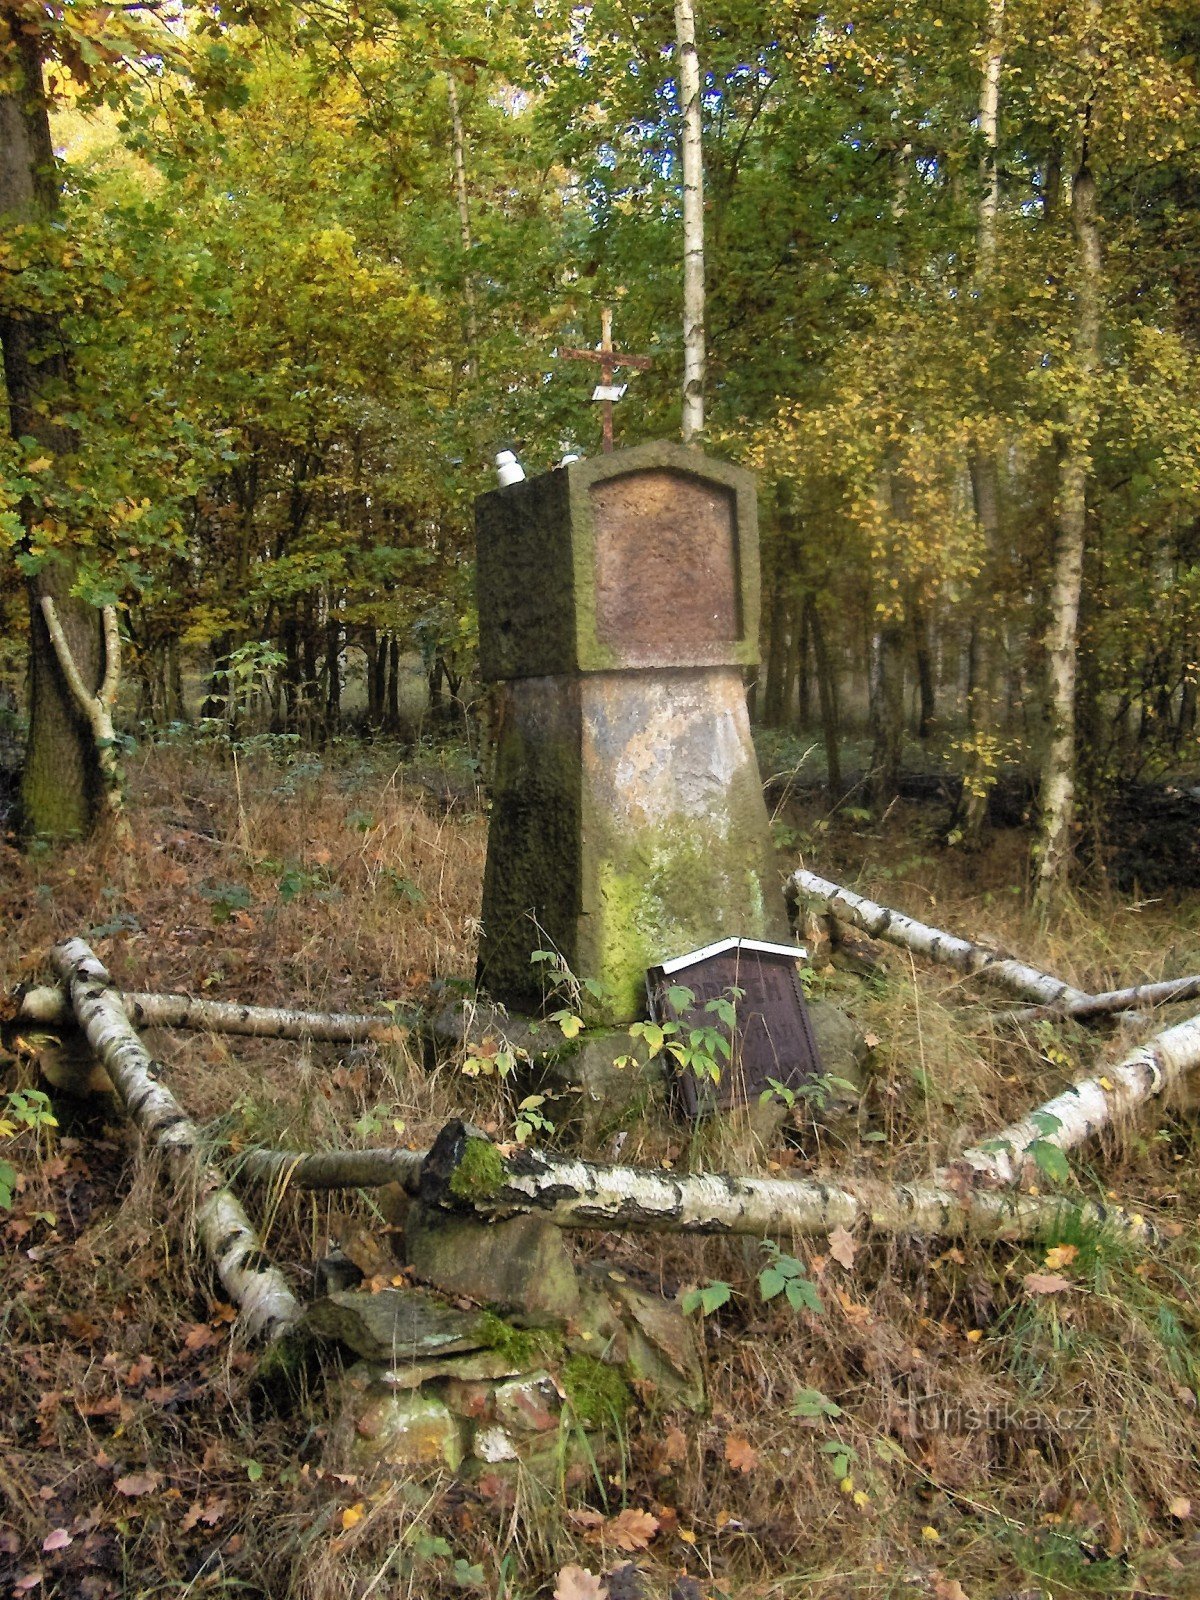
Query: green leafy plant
[
  {"x": 785, "y": 1275},
  {"x": 706, "y": 1299},
  {"x": 531, "y": 1119}
]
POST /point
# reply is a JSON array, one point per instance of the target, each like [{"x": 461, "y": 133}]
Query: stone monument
[{"x": 618, "y": 608}]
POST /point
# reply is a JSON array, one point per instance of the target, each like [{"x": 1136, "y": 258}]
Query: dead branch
[
  {"x": 881, "y": 922},
  {"x": 267, "y": 1305},
  {"x": 49, "y": 1006}
]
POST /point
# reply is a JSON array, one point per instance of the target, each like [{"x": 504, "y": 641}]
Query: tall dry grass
[{"x": 973, "y": 1431}]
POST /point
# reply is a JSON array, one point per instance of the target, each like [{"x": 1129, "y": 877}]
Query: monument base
[{"x": 628, "y": 826}]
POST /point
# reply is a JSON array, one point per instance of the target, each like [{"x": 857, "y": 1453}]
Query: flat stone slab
[{"x": 396, "y": 1325}]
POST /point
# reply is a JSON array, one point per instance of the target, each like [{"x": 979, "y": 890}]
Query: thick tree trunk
[
  {"x": 62, "y": 787},
  {"x": 926, "y": 686},
  {"x": 887, "y": 712},
  {"x": 692, "y": 161},
  {"x": 267, "y": 1305},
  {"x": 881, "y": 922},
  {"x": 1058, "y": 765}
]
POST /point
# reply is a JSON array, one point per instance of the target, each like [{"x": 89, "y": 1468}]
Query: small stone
[
  {"x": 471, "y": 1400},
  {"x": 492, "y": 1445},
  {"x": 396, "y": 1325},
  {"x": 408, "y": 1430},
  {"x": 520, "y": 1264},
  {"x": 529, "y": 1405}
]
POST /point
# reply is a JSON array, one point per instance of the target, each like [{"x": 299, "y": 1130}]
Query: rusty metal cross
[{"x": 605, "y": 391}]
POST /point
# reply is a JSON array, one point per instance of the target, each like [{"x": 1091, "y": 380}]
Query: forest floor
[{"x": 981, "y": 1434}]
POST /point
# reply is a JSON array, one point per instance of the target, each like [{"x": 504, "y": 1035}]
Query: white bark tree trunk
[
  {"x": 984, "y": 709},
  {"x": 1169, "y": 992},
  {"x": 585, "y": 1195},
  {"x": 332, "y": 1169},
  {"x": 458, "y": 143},
  {"x": 881, "y": 922},
  {"x": 268, "y": 1307},
  {"x": 50, "y": 1007},
  {"x": 1079, "y": 425},
  {"x": 1090, "y": 1103},
  {"x": 96, "y": 707},
  {"x": 693, "y": 220}
]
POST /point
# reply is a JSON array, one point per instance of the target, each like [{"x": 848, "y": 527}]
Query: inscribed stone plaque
[
  {"x": 666, "y": 560},
  {"x": 773, "y": 1037},
  {"x": 641, "y": 559}
]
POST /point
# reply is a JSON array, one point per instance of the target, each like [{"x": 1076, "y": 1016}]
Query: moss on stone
[
  {"x": 479, "y": 1172},
  {"x": 598, "y": 1394},
  {"x": 525, "y": 1348}
]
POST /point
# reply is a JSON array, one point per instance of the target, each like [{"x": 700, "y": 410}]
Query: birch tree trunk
[
  {"x": 693, "y": 220},
  {"x": 881, "y": 922},
  {"x": 464, "y": 225},
  {"x": 983, "y": 707},
  {"x": 1079, "y": 423},
  {"x": 267, "y": 1305},
  {"x": 1109, "y": 1001}
]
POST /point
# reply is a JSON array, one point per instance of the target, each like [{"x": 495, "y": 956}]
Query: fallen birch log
[
  {"x": 466, "y": 1174},
  {"x": 267, "y": 1305},
  {"x": 332, "y": 1169},
  {"x": 1169, "y": 992},
  {"x": 50, "y": 1007},
  {"x": 1090, "y": 1104},
  {"x": 469, "y": 1173},
  {"x": 881, "y": 922}
]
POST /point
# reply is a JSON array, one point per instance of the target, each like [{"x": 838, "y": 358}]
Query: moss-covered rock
[{"x": 519, "y": 1264}]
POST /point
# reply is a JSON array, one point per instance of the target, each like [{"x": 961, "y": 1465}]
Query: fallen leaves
[
  {"x": 630, "y": 1530},
  {"x": 842, "y": 1247},
  {"x": 1046, "y": 1283},
  {"x": 740, "y": 1454},
  {"x": 136, "y": 1484},
  {"x": 1060, "y": 1255},
  {"x": 57, "y": 1539},
  {"x": 577, "y": 1583}
]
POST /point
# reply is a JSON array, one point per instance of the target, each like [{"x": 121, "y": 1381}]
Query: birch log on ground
[
  {"x": 466, "y": 1174},
  {"x": 464, "y": 1171},
  {"x": 267, "y": 1305},
  {"x": 1171, "y": 991},
  {"x": 1090, "y": 1104},
  {"x": 881, "y": 922},
  {"x": 332, "y": 1169},
  {"x": 50, "y": 1006}
]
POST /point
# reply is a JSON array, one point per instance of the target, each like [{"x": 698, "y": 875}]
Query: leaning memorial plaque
[{"x": 771, "y": 1037}]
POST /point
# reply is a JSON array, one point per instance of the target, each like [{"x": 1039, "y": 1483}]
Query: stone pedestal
[{"x": 618, "y": 603}]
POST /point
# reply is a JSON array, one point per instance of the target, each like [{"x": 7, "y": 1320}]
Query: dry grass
[{"x": 1008, "y": 1442}]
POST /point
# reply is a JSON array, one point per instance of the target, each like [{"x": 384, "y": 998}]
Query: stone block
[
  {"x": 531, "y": 1404},
  {"x": 628, "y": 825},
  {"x": 407, "y": 1431},
  {"x": 521, "y": 1264},
  {"x": 643, "y": 558},
  {"x": 397, "y": 1325}
]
